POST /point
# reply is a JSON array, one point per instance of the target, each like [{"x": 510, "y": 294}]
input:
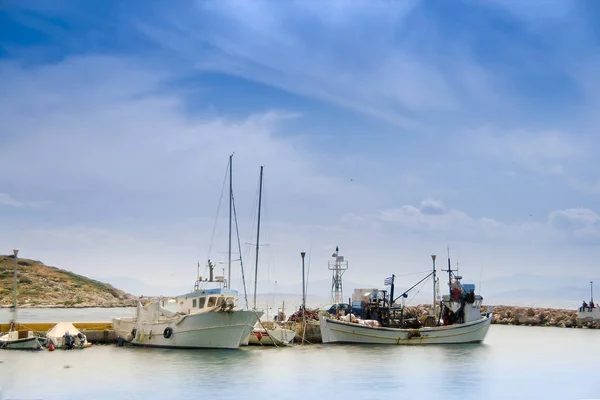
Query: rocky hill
[{"x": 41, "y": 285}]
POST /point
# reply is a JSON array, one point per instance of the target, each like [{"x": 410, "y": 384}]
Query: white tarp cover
[{"x": 59, "y": 330}]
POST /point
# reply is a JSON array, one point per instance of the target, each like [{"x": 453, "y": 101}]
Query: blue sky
[{"x": 392, "y": 129}]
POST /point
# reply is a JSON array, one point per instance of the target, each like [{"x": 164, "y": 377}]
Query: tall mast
[
  {"x": 257, "y": 235},
  {"x": 230, "y": 207},
  {"x": 591, "y": 291},
  {"x": 434, "y": 291}
]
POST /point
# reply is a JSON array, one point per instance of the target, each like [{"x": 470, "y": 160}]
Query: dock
[{"x": 96, "y": 332}]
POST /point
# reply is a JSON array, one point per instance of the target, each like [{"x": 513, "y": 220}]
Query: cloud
[
  {"x": 580, "y": 221},
  {"x": 546, "y": 152},
  {"x": 7, "y": 200},
  {"x": 361, "y": 57},
  {"x": 432, "y": 207}
]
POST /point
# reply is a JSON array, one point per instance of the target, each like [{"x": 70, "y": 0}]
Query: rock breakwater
[{"x": 525, "y": 316}]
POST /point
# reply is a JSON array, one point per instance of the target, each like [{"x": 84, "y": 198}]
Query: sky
[{"x": 392, "y": 129}]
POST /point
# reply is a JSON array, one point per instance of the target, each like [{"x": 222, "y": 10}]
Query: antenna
[
  {"x": 450, "y": 271},
  {"x": 338, "y": 266}
]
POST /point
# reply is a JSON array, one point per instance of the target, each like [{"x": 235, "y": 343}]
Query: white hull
[
  {"x": 30, "y": 343},
  {"x": 204, "y": 330},
  {"x": 271, "y": 337},
  {"x": 334, "y": 331},
  {"x": 589, "y": 314}
]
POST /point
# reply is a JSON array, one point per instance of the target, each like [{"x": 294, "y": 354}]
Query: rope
[
  {"x": 240, "y": 251},
  {"x": 218, "y": 210},
  {"x": 266, "y": 330}
]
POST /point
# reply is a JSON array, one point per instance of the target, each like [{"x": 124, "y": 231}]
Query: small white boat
[
  {"x": 460, "y": 319},
  {"x": 273, "y": 335},
  {"x": 15, "y": 338},
  {"x": 21, "y": 340},
  {"x": 64, "y": 335}
]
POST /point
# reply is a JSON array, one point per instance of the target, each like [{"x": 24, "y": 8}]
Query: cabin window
[
  {"x": 220, "y": 301},
  {"x": 194, "y": 303},
  {"x": 202, "y": 302},
  {"x": 212, "y": 301}
]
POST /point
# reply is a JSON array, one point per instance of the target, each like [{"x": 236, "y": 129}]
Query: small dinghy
[{"x": 64, "y": 335}]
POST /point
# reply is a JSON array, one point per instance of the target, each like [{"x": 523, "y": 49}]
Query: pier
[{"x": 96, "y": 332}]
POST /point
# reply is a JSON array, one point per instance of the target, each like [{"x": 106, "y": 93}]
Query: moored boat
[
  {"x": 460, "y": 319},
  {"x": 15, "y": 338},
  {"x": 64, "y": 335}
]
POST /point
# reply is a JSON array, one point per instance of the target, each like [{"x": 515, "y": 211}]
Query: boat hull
[
  {"x": 206, "y": 330},
  {"x": 271, "y": 337},
  {"x": 31, "y": 343},
  {"x": 334, "y": 331}
]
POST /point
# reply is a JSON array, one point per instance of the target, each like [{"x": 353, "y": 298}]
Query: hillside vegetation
[{"x": 41, "y": 285}]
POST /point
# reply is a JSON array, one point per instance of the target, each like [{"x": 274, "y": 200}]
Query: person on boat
[
  {"x": 591, "y": 304},
  {"x": 584, "y": 306}
]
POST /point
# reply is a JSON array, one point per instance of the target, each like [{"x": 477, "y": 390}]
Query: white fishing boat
[
  {"x": 15, "y": 338},
  {"x": 203, "y": 318},
  {"x": 460, "y": 319},
  {"x": 64, "y": 335},
  {"x": 589, "y": 311}
]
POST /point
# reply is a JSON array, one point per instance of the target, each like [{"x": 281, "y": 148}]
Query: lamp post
[
  {"x": 434, "y": 299},
  {"x": 16, "y": 253}
]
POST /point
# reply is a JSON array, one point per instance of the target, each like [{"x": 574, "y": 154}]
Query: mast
[
  {"x": 434, "y": 291},
  {"x": 16, "y": 253},
  {"x": 591, "y": 292},
  {"x": 258, "y": 234},
  {"x": 230, "y": 207}
]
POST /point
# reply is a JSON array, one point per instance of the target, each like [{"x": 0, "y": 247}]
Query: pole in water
[
  {"x": 302, "y": 254},
  {"x": 16, "y": 253}
]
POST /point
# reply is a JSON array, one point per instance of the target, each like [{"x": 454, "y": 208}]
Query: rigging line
[
  {"x": 418, "y": 291},
  {"x": 237, "y": 231},
  {"x": 212, "y": 237},
  {"x": 308, "y": 268},
  {"x": 413, "y": 273}
]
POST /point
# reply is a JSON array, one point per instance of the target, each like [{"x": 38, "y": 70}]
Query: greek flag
[{"x": 388, "y": 281}]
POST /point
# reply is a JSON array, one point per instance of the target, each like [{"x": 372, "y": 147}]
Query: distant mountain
[{"x": 41, "y": 285}]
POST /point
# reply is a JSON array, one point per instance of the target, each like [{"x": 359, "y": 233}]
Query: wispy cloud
[{"x": 389, "y": 128}]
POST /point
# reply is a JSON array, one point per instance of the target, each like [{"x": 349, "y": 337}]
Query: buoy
[{"x": 51, "y": 347}]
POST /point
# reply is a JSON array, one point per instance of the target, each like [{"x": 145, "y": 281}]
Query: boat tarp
[{"x": 59, "y": 330}]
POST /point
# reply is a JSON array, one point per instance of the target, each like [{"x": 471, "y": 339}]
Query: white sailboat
[
  {"x": 274, "y": 334},
  {"x": 204, "y": 318},
  {"x": 460, "y": 319},
  {"x": 19, "y": 339}
]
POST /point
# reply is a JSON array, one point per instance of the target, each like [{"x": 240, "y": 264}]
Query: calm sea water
[{"x": 512, "y": 363}]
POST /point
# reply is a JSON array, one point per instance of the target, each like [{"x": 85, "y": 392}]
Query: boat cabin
[{"x": 207, "y": 300}]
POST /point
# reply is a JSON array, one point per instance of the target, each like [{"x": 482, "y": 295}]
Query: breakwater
[{"x": 519, "y": 315}]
